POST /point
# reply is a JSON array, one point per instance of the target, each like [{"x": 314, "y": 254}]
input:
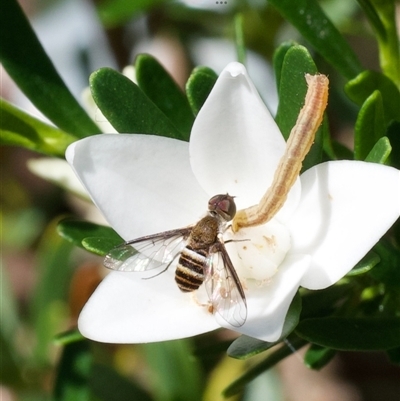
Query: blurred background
[{"x": 45, "y": 281}]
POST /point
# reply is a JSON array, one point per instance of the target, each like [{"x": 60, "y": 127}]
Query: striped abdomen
[{"x": 189, "y": 274}]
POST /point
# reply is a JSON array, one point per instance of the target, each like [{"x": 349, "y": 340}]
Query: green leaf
[
  {"x": 238, "y": 385},
  {"x": 381, "y": 151},
  {"x": 292, "y": 92},
  {"x": 76, "y": 231},
  {"x": 316, "y": 153},
  {"x": 293, "y": 86},
  {"x": 68, "y": 337},
  {"x": 49, "y": 304},
  {"x": 239, "y": 38},
  {"x": 393, "y": 133},
  {"x": 28, "y": 65},
  {"x": 199, "y": 86},
  {"x": 370, "y": 260},
  {"x": 245, "y": 346},
  {"x": 373, "y": 18},
  {"x": 117, "y": 12},
  {"x": 322, "y": 302},
  {"x": 382, "y": 15},
  {"x": 162, "y": 90},
  {"x": 317, "y": 357},
  {"x": 107, "y": 385},
  {"x": 100, "y": 245},
  {"x": 308, "y": 17},
  {"x": 18, "y": 128},
  {"x": 73, "y": 373},
  {"x": 370, "y": 125},
  {"x": 351, "y": 334},
  {"x": 387, "y": 271},
  {"x": 278, "y": 59},
  {"x": 364, "y": 84},
  {"x": 176, "y": 375},
  {"x": 126, "y": 107},
  {"x": 341, "y": 151}
]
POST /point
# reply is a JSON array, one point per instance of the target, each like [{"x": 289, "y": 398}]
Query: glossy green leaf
[
  {"x": 293, "y": 86},
  {"x": 117, "y": 12},
  {"x": 341, "y": 151},
  {"x": 49, "y": 305},
  {"x": 239, "y": 39},
  {"x": 238, "y": 385},
  {"x": 316, "y": 153},
  {"x": 292, "y": 92},
  {"x": 244, "y": 347},
  {"x": 351, "y": 334},
  {"x": 370, "y": 260},
  {"x": 364, "y": 84},
  {"x": 68, "y": 337},
  {"x": 370, "y": 125},
  {"x": 327, "y": 143},
  {"x": 73, "y": 373},
  {"x": 100, "y": 245},
  {"x": 18, "y": 128},
  {"x": 322, "y": 302},
  {"x": 27, "y": 63},
  {"x": 308, "y": 17},
  {"x": 380, "y": 152},
  {"x": 163, "y": 91},
  {"x": 393, "y": 134},
  {"x": 317, "y": 357},
  {"x": 176, "y": 375},
  {"x": 126, "y": 107},
  {"x": 373, "y": 18},
  {"x": 107, "y": 385},
  {"x": 279, "y": 57},
  {"x": 76, "y": 231},
  {"x": 383, "y": 20},
  {"x": 198, "y": 87},
  {"x": 387, "y": 271}
]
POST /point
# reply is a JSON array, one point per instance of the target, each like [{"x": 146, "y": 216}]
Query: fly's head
[{"x": 222, "y": 206}]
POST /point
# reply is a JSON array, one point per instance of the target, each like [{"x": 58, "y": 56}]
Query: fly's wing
[
  {"x": 223, "y": 287},
  {"x": 148, "y": 252}
]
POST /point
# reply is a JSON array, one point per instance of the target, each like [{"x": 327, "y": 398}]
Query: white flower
[{"x": 146, "y": 184}]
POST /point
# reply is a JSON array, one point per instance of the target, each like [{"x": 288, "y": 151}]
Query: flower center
[{"x": 256, "y": 252}]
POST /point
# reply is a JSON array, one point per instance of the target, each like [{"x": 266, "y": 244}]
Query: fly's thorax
[
  {"x": 205, "y": 232},
  {"x": 257, "y": 252}
]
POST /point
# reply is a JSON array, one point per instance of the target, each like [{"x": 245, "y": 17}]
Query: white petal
[
  {"x": 268, "y": 304},
  {"x": 127, "y": 309},
  {"x": 345, "y": 209},
  {"x": 235, "y": 144},
  {"x": 143, "y": 184}
]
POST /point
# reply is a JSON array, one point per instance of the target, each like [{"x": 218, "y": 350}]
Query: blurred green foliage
[{"x": 32, "y": 365}]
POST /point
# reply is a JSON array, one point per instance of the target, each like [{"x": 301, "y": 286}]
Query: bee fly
[{"x": 202, "y": 259}]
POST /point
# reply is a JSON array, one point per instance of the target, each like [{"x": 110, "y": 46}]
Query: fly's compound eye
[{"x": 223, "y": 205}]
